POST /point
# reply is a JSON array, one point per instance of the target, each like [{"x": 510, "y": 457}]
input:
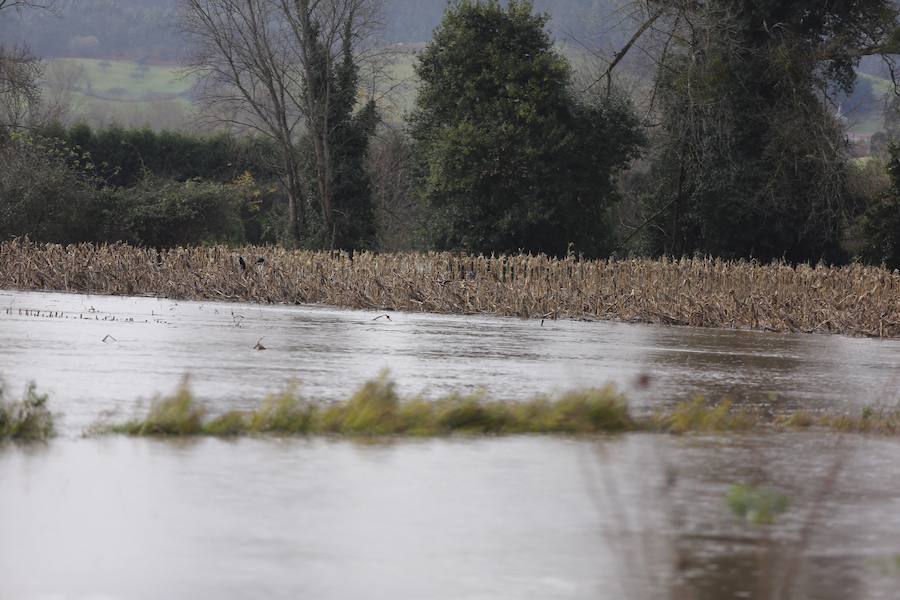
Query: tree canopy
[
  {"x": 752, "y": 159},
  {"x": 511, "y": 158}
]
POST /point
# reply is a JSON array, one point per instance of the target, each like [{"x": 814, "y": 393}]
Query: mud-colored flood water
[
  {"x": 635, "y": 516},
  {"x": 57, "y": 340}
]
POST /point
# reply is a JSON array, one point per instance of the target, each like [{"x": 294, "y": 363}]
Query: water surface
[
  {"x": 634, "y": 516},
  {"x": 57, "y": 340},
  {"x": 637, "y": 516}
]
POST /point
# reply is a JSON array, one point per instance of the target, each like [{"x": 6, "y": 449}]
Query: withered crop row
[{"x": 854, "y": 300}]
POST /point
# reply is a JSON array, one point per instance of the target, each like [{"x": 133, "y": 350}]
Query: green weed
[
  {"x": 756, "y": 505},
  {"x": 285, "y": 413},
  {"x": 697, "y": 416},
  {"x": 176, "y": 415},
  {"x": 376, "y": 409},
  {"x": 881, "y": 421},
  {"x": 28, "y": 419}
]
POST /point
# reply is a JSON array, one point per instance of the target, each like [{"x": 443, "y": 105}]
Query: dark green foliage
[
  {"x": 752, "y": 162},
  {"x": 511, "y": 159},
  {"x": 164, "y": 213},
  {"x": 47, "y": 192},
  {"x": 354, "y": 214},
  {"x": 123, "y": 157},
  {"x": 335, "y": 163},
  {"x": 136, "y": 186},
  {"x": 880, "y": 226}
]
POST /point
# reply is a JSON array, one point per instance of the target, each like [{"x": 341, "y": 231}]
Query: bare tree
[
  {"x": 20, "y": 91},
  {"x": 20, "y": 72},
  {"x": 21, "y": 4},
  {"x": 62, "y": 80},
  {"x": 274, "y": 67}
]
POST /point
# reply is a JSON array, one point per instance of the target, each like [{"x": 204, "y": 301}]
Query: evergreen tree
[
  {"x": 752, "y": 161},
  {"x": 511, "y": 159}
]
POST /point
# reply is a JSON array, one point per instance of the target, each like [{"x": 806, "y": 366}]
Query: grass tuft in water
[
  {"x": 285, "y": 413},
  {"x": 232, "y": 423},
  {"x": 697, "y": 416},
  {"x": 798, "y": 420},
  {"x": 28, "y": 419},
  {"x": 176, "y": 415},
  {"x": 756, "y": 505},
  {"x": 373, "y": 410},
  {"x": 376, "y": 409},
  {"x": 874, "y": 420}
]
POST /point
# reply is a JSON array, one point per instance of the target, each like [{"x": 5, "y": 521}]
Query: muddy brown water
[{"x": 636, "y": 516}]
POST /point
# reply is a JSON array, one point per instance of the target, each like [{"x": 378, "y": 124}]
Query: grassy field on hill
[
  {"x": 130, "y": 94},
  {"x": 160, "y": 96}
]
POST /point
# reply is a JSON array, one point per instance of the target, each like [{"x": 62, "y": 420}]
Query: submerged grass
[
  {"x": 871, "y": 420},
  {"x": 376, "y": 409},
  {"x": 28, "y": 419},
  {"x": 698, "y": 416}
]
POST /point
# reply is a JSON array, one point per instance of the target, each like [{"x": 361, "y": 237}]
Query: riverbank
[{"x": 854, "y": 300}]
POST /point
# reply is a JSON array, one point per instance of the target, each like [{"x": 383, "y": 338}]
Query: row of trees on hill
[{"x": 737, "y": 152}]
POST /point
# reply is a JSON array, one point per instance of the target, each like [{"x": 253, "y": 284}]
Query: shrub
[{"x": 28, "y": 419}]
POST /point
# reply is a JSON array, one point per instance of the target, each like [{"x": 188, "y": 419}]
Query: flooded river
[
  {"x": 57, "y": 340},
  {"x": 636, "y": 516}
]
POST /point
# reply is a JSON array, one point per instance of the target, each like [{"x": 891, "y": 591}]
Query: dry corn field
[{"x": 854, "y": 300}]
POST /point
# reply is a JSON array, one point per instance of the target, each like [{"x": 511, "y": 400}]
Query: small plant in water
[
  {"x": 27, "y": 419},
  {"x": 698, "y": 416},
  {"x": 756, "y": 505},
  {"x": 176, "y": 415}
]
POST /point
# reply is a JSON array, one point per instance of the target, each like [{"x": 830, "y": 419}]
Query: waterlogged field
[{"x": 705, "y": 516}]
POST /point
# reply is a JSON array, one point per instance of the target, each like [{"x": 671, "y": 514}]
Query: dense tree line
[
  {"x": 53, "y": 189},
  {"x": 741, "y": 154}
]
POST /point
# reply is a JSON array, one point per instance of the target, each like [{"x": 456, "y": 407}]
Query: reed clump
[
  {"x": 870, "y": 420},
  {"x": 376, "y": 409},
  {"x": 854, "y": 300},
  {"x": 28, "y": 419},
  {"x": 176, "y": 415},
  {"x": 698, "y": 416}
]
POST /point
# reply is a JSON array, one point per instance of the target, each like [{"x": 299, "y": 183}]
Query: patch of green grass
[
  {"x": 28, "y": 419},
  {"x": 117, "y": 79},
  {"x": 756, "y": 505},
  {"x": 698, "y": 416},
  {"x": 798, "y": 420},
  {"x": 376, "y": 409},
  {"x": 871, "y": 420},
  {"x": 176, "y": 415},
  {"x": 285, "y": 413}
]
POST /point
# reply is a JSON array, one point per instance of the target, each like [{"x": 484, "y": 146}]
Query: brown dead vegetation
[{"x": 854, "y": 300}]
